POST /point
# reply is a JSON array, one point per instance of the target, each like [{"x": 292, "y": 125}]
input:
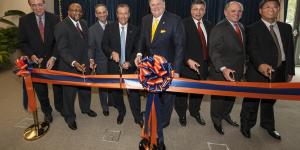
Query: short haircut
[
  {"x": 161, "y": 0},
  {"x": 29, "y": 2},
  {"x": 122, "y": 5},
  {"x": 198, "y": 2},
  {"x": 263, "y": 2},
  {"x": 231, "y": 2},
  {"x": 73, "y": 3},
  {"x": 100, "y": 5}
]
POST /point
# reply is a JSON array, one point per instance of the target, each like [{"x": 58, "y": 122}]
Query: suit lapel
[
  {"x": 117, "y": 35},
  {"x": 282, "y": 36},
  {"x": 128, "y": 37},
  {"x": 46, "y": 29},
  {"x": 159, "y": 27},
  {"x": 232, "y": 31},
  {"x": 84, "y": 29},
  {"x": 35, "y": 27}
]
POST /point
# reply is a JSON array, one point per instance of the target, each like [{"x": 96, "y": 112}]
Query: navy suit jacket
[
  {"x": 168, "y": 39},
  {"x": 30, "y": 41},
  {"x": 71, "y": 46},
  {"x": 261, "y": 49},
  {"x": 225, "y": 50},
  {"x": 193, "y": 48},
  {"x": 111, "y": 42}
]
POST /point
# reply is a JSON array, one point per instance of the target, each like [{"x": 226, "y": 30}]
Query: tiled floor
[{"x": 93, "y": 133}]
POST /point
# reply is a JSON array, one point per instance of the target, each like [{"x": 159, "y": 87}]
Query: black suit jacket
[
  {"x": 71, "y": 46},
  {"x": 168, "y": 39},
  {"x": 193, "y": 48},
  {"x": 30, "y": 41},
  {"x": 111, "y": 42},
  {"x": 225, "y": 50},
  {"x": 261, "y": 49}
]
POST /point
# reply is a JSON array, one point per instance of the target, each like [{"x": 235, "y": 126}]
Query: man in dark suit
[
  {"x": 228, "y": 55},
  {"x": 96, "y": 54},
  {"x": 196, "y": 60},
  {"x": 119, "y": 43},
  {"x": 271, "y": 52},
  {"x": 36, "y": 40},
  {"x": 162, "y": 33},
  {"x": 72, "y": 43}
]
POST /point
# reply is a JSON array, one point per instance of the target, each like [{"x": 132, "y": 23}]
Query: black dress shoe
[
  {"x": 229, "y": 120},
  {"x": 140, "y": 123},
  {"x": 166, "y": 125},
  {"x": 246, "y": 133},
  {"x": 219, "y": 129},
  {"x": 72, "y": 125},
  {"x": 120, "y": 119},
  {"x": 275, "y": 134},
  {"x": 106, "y": 113},
  {"x": 199, "y": 119},
  {"x": 161, "y": 146},
  {"x": 90, "y": 113},
  {"x": 48, "y": 118},
  {"x": 182, "y": 121}
]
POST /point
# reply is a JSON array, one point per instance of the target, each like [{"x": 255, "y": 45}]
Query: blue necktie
[{"x": 122, "y": 45}]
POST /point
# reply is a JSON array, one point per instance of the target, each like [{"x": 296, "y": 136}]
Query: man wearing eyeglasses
[{"x": 36, "y": 40}]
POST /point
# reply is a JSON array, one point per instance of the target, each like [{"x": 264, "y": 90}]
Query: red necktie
[
  {"x": 203, "y": 42},
  {"x": 79, "y": 30},
  {"x": 41, "y": 28},
  {"x": 238, "y": 32}
]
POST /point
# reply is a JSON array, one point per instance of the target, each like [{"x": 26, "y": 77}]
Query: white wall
[{"x": 20, "y": 5}]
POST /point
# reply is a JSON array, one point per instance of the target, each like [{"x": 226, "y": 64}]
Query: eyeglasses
[{"x": 37, "y": 5}]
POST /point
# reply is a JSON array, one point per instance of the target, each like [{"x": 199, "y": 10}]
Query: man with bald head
[
  {"x": 227, "y": 54},
  {"x": 72, "y": 45},
  {"x": 271, "y": 53},
  {"x": 36, "y": 40}
]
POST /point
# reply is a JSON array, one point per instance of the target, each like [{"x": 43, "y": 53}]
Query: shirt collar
[
  {"x": 38, "y": 17},
  {"x": 268, "y": 23},
  {"x": 158, "y": 18},
  {"x": 125, "y": 26},
  {"x": 196, "y": 21},
  {"x": 74, "y": 22}
]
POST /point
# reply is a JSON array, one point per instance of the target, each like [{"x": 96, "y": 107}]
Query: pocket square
[{"x": 163, "y": 31}]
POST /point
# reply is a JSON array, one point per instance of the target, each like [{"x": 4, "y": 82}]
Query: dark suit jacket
[
  {"x": 70, "y": 45},
  {"x": 225, "y": 50},
  {"x": 30, "y": 41},
  {"x": 95, "y": 48},
  {"x": 111, "y": 42},
  {"x": 261, "y": 49},
  {"x": 193, "y": 48},
  {"x": 168, "y": 39}
]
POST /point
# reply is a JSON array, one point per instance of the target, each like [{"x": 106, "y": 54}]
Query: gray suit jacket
[
  {"x": 225, "y": 50},
  {"x": 95, "y": 48}
]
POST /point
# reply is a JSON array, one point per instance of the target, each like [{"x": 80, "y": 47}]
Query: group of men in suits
[{"x": 197, "y": 49}]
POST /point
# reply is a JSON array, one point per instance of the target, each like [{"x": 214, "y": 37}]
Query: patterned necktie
[
  {"x": 279, "y": 59},
  {"x": 203, "y": 41},
  {"x": 154, "y": 26},
  {"x": 79, "y": 30},
  {"x": 123, "y": 41},
  {"x": 238, "y": 32},
  {"x": 41, "y": 28}
]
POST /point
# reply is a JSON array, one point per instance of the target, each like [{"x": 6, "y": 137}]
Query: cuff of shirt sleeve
[
  {"x": 73, "y": 62},
  {"x": 222, "y": 68}
]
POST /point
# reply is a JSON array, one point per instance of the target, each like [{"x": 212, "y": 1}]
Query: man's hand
[
  {"x": 79, "y": 67},
  {"x": 50, "y": 63},
  {"x": 193, "y": 64},
  {"x": 92, "y": 64},
  {"x": 290, "y": 78},
  {"x": 126, "y": 65},
  {"x": 115, "y": 56},
  {"x": 266, "y": 70},
  {"x": 36, "y": 60},
  {"x": 228, "y": 74},
  {"x": 137, "y": 60}
]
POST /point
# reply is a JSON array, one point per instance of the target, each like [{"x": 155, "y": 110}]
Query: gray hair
[{"x": 232, "y": 2}]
